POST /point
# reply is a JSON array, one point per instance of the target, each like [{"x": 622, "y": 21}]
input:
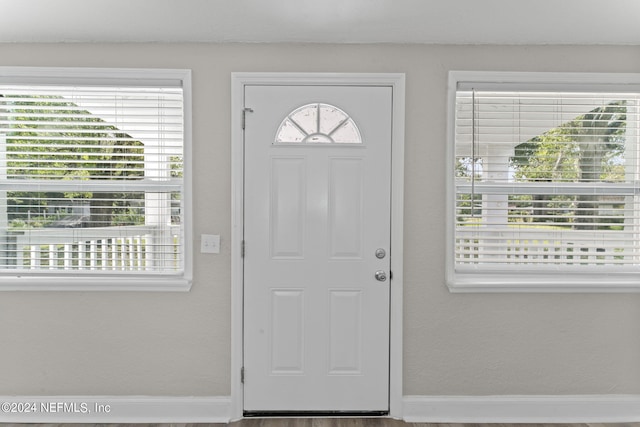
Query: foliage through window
[
  {"x": 546, "y": 182},
  {"x": 91, "y": 176}
]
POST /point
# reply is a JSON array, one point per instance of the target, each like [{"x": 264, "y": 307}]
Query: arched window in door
[{"x": 318, "y": 124}]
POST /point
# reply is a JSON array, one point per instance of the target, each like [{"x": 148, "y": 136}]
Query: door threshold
[{"x": 314, "y": 414}]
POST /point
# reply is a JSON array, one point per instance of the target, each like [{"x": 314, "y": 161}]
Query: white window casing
[
  {"x": 543, "y": 182},
  {"x": 95, "y": 179}
]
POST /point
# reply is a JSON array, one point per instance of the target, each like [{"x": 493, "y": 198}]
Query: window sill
[
  {"x": 543, "y": 283},
  {"x": 89, "y": 284}
]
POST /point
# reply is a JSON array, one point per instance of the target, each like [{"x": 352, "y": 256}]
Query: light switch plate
[{"x": 210, "y": 243}]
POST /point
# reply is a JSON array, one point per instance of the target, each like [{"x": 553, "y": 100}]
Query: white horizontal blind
[
  {"x": 546, "y": 180},
  {"x": 91, "y": 178}
]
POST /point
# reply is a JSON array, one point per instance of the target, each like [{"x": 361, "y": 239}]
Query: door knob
[{"x": 381, "y": 276}]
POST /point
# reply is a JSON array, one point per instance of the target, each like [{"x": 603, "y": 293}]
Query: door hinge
[
  {"x": 244, "y": 115},
  {"x": 242, "y": 375},
  {"x": 242, "y": 249}
]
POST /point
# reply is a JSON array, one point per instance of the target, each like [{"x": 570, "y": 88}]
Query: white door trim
[{"x": 397, "y": 82}]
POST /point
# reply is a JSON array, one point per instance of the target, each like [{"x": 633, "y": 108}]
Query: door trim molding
[{"x": 397, "y": 82}]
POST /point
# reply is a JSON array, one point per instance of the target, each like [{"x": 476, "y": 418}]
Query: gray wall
[{"x": 179, "y": 343}]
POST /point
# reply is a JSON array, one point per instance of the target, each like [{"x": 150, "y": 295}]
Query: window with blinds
[
  {"x": 545, "y": 181},
  {"x": 92, "y": 179}
]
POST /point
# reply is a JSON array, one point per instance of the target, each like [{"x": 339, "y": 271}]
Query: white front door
[{"x": 317, "y": 248}]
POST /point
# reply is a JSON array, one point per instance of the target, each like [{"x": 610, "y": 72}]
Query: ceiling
[{"x": 584, "y": 22}]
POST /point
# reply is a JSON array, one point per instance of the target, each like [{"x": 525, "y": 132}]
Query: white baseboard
[
  {"x": 217, "y": 409},
  {"x": 114, "y": 409},
  {"x": 522, "y": 409}
]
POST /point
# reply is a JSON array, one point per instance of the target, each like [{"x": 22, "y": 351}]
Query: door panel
[
  {"x": 287, "y": 331},
  {"x": 345, "y": 337},
  {"x": 345, "y": 208},
  {"x": 288, "y": 200},
  {"x": 316, "y": 320}
]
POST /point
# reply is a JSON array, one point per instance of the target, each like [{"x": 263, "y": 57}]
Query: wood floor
[
  {"x": 385, "y": 422},
  {"x": 325, "y": 422}
]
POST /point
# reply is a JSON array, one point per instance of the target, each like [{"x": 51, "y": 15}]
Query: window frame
[
  {"x": 504, "y": 280},
  {"x": 94, "y": 280}
]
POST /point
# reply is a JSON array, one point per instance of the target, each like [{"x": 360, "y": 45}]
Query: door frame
[{"x": 397, "y": 82}]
